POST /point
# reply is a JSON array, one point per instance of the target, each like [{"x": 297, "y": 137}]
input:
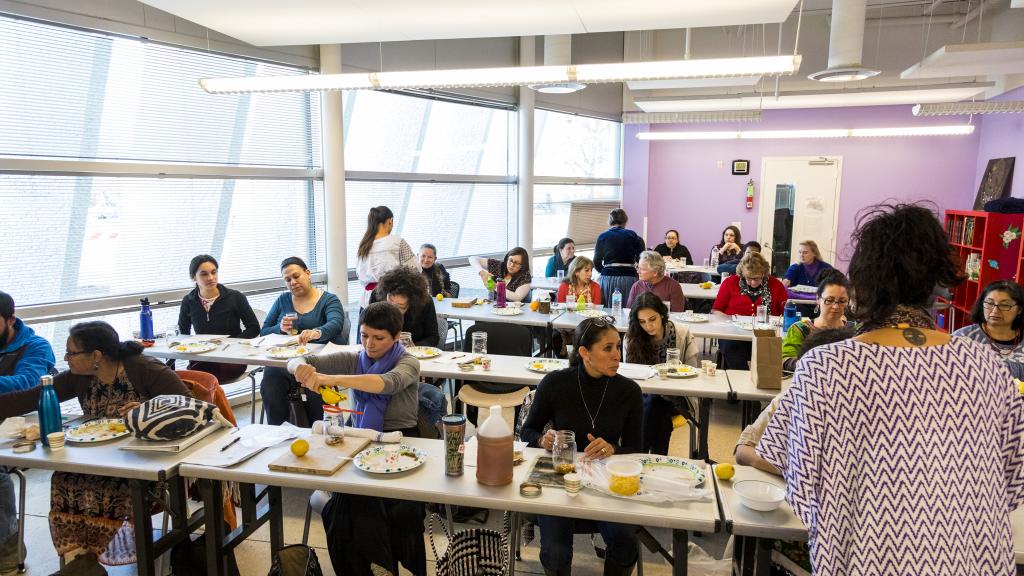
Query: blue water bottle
[
  {"x": 49, "y": 410},
  {"x": 146, "y": 322},
  {"x": 789, "y": 316}
]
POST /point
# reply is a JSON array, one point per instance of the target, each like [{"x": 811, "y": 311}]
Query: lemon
[
  {"x": 724, "y": 471},
  {"x": 678, "y": 421},
  {"x": 440, "y": 297},
  {"x": 330, "y": 396},
  {"x": 300, "y": 447},
  {"x": 1020, "y": 386}
]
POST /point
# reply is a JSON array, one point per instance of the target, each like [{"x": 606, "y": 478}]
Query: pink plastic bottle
[{"x": 500, "y": 290}]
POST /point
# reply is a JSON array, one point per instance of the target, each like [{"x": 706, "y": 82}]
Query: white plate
[
  {"x": 375, "y": 459},
  {"x": 679, "y": 371},
  {"x": 671, "y": 468},
  {"x": 804, "y": 289},
  {"x": 510, "y": 311},
  {"x": 423, "y": 352},
  {"x": 592, "y": 313},
  {"x": 545, "y": 365},
  {"x": 196, "y": 347},
  {"x": 284, "y": 352},
  {"x": 99, "y": 430},
  {"x": 691, "y": 318}
]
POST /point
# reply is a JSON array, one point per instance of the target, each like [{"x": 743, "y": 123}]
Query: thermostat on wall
[{"x": 741, "y": 167}]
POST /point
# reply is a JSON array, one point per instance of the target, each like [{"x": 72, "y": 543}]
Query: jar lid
[
  {"x": 529, "y": 489},
  {"x": 332, "y": 409},
  {"x": 453, "y": 419}
]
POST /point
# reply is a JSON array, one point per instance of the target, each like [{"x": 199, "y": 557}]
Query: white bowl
[{"x": 758, "y": 495}]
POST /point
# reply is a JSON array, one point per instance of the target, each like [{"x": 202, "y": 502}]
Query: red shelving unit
[{"x": 995, "y": 241}]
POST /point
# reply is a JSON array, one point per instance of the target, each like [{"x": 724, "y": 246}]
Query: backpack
[{"x": 295, "y": 560}]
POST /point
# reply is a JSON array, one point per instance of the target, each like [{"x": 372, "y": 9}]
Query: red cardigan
[
  {"x": 731, "y": 301},
  {"x": 595, "y": 292}
]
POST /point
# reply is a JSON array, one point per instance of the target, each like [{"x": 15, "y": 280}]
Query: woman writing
[
  {"x": 90, "y": 515},
  {"x": 578, "y": 283},
  {"x": 752, "y": 286},
  {"x": 605, "y": 411},
  {"x": 615, "y": 255},
  {"x": 313, "y": 315},
  {"x": 651, "y": 333},
  {"x": 514, "y": 269},
  {"x": 652, "y": 279},
  {"x": 380, "y": 251},
  {"x": 833, "y": 297},
  {"x": 998, "y": 318},
  {"x": 899, "y": 379},
  {"x": 565, "y": 250},
  {"x": 212, "y": 308}
]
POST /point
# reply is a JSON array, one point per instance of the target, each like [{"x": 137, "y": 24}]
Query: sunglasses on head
[{"x": 599, "y": 322}]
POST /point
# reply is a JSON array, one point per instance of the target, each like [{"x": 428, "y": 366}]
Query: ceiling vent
[
  {"x": 558, "y": 52},
  {"x": 845, "y": 44}
]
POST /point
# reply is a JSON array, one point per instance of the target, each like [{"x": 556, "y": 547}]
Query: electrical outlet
[{"x": 720, "y": 163}]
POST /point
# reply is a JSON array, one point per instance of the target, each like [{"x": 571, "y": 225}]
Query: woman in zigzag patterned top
[
  {"x": 903, "y": 448},
  {"x": 998, "y": 318}
]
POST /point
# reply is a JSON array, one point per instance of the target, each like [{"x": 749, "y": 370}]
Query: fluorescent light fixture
[
  {"x": 510, "y": 76},
  {"x": 958, "y": 130},
  {"x": 954, "y": 108},
  {"x": 691, "y": 117}
]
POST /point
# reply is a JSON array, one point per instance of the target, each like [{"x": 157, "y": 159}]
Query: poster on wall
[{"x": 996, "y": 182}]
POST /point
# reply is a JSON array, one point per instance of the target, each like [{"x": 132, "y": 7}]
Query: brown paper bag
[{"x": 766, "y": 360}]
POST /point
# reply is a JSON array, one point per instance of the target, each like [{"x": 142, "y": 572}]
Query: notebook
[{"x": 143, "y": 445}]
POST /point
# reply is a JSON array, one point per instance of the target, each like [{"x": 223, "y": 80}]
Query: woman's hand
[
  {"x": 547, "y": 441},
  {"x": 731, "y": 247},
  {"x": 484, "y": 275},
  {"x": 308, "y": 335},
  {"x": 286, "y": 324},
  {"x": 128, "y": 407},
  {"x": 308, "y": 377},
  {"x": 598, "y": 449}
]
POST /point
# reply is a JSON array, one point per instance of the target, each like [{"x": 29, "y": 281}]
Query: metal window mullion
[
  {"x": 89, "y": 168},
  {"x": 577, "y": 181},
  {"x": 365, "y": 176}
]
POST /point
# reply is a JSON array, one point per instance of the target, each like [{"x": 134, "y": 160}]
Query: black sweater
[
  {"x": 422, "y": 325},
  {"x": 619, "y": 420},
  {"x": 678, "y": 252},
  {"x": 229, "y": 312}
]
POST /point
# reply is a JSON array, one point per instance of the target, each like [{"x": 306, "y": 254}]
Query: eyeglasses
[
  {"x": 836, "y": 301},
  {"x": 1004, "y": 307},
  {"x": 69, "y": 355}
]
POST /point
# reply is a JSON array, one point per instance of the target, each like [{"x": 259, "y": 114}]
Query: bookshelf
[{"x": 988, "y": 247}]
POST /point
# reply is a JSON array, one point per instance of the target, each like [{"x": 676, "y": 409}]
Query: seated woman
[
  {"x": 650, "y": 334},
  {"x": 90, "y": 516},
  {"x": 514, "y": 269},
  {"x": 383, "y": 377},
  {"x": 752, "y": 286},
  {"x": 605, "y": 411},
  {"x": 438, "y": 279},
  {"x": 320, "y": 318},
  {"x": 578, "y": 283},
  {"x": 565, "y": 251},
  {"x": 810, "y": 266},
  {"x": 833, "y": 297},
  {"x": 998, "y": 318},
  {"x": 671, "y": 248},
  {"x": 653, "y": 279},
  {"x": 212, "y": 308},
  {"x": 729, "y": 251},
  {"x": 406, "y": 290}
]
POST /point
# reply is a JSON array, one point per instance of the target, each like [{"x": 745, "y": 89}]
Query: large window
[
  {"x": 116, "y": 167},
  {"x": 577, "y": 177}
]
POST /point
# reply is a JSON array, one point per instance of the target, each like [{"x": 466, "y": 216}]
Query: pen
[{"x": 229, "y": 444}]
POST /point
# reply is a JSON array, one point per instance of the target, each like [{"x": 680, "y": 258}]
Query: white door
[{"x": 799, "y": 201}]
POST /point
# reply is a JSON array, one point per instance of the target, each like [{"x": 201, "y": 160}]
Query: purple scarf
[{"x": 373, "y": 405}]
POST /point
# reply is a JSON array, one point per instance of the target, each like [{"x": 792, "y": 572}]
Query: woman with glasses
[
  {"x": 833, "y": 298},
  {"x": 514, "y": 269},
  {"x": 671, "y": 248},
  {"x": 651, "y": 334},
  {"x": 740, "y": 295},
  {"x": 998, "y": 318},
  {"x": 605, "y": 411},
  {"x": 90, "y": 515}
]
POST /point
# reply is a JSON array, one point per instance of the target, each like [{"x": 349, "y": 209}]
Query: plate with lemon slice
[
  {"x": 545, "y": 365},
  {"x": 678, "y": 370},
  {"x": 99, "y": 430},
  {"x": 423, "y": 352},
  {"x": 286, "y": 352}
]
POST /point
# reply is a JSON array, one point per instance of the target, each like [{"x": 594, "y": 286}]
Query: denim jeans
[
  {"x": 274, "y": 388},
  {"x": 433, "y": 404},
  {"x": 556, "y": 535}
]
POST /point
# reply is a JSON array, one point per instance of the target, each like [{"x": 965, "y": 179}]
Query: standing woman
[
  {"x": 616, "y": 254},
  {"x": 320, "y": 319},
  {"x": 998, "y": 318},
  {"x": 380, "y": 251},
  {"x": 886, "y": 438},
  {"x": 514, "y": 269},
  {"x": 212, "y": 308},
  {"x": 605, "y": 411},
  {"x": 565, "y": 250}
]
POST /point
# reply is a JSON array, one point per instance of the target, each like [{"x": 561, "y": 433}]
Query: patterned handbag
[
  {"x": 473, "y": 552},
  {"x": 171, "y": 417}
]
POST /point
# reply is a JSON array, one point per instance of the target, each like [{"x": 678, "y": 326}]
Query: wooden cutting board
[{"x": 322, "y": 459}]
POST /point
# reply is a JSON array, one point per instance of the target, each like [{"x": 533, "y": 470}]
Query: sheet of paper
[{"x": 332, "y": 348}]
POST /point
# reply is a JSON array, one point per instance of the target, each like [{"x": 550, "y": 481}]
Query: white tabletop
[
  {"x": 428, "y": 483},
  {"x": 745, "y": 389},
  {"x": 695, "y": 292},
  {"x": 713, "y": 328},
  {"x": 103, "y": 458},
  {"x": 232, "y": 351},
  {"x": 548, "y": 283},
  {"x": 779, "y": 524},
  {"x": 484, "y": 313},
  {"x": 1017, "y": 526},
  {"x": 675, "y": 268}
]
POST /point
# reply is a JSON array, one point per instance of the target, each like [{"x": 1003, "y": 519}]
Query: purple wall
[
  {"x": 1002, "y": 135},
  {"x": 687, "y": 191}
]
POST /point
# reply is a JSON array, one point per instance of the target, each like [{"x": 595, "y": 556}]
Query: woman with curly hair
[
  {"x": 406, "y": 289},
  {"x": 885, "y": 438}
]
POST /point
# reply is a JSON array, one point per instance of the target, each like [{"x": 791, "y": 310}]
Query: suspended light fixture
[
  {"x": 955, "y": 108},
  {"x": 512, "y": 76},
  {"x": 845, "y": 44},
  {"x": 558, "y": 52},
  {"x": 691, "y": 117},
  {"x": 958, "y": 130}
]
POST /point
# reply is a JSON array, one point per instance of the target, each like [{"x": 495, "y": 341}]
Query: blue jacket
[{"x": 24, "y": 360}]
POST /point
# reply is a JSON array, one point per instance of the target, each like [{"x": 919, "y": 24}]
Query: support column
[
  {"x": 333, "y": 135},
  {"x": 527, "y": 57}
]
